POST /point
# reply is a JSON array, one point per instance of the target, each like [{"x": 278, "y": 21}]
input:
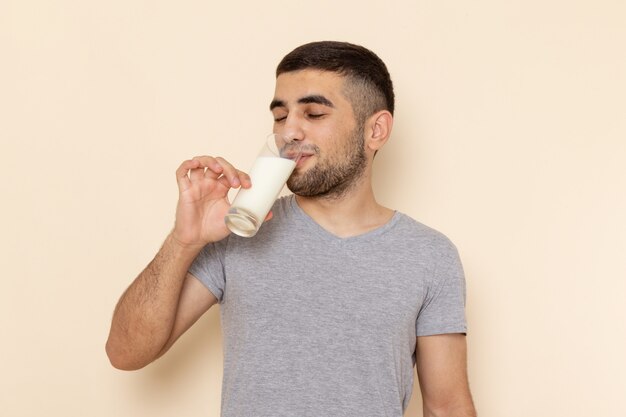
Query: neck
[{"x": 354, "y": 212}]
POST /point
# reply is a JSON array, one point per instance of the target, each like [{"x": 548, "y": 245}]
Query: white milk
[{"x": 268, "y": 176}]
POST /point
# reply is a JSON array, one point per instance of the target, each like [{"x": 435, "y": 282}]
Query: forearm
[
  {"x": 145, "y": 314},
  {"x": 463, "y": 408}
]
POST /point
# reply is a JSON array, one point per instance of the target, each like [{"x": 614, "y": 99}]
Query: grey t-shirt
[{"x": 317, "y": 325}]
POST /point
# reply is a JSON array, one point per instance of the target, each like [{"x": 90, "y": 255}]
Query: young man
[{"x": 327, "y": 309}]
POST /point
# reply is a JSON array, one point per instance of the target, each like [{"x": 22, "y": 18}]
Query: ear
[{"x": 378, "y": 129}]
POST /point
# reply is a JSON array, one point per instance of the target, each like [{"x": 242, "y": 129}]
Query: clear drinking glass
[{"x": 272, "y": 167}]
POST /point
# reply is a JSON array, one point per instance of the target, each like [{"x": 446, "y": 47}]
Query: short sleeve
[
  {"x": 208, "y": 267},
  {"x": 443, "y": 310}
]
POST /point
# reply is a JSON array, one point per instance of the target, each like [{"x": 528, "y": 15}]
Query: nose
[{"x": 292, "y": 130}]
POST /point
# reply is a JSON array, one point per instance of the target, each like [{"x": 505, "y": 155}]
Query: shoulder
[
  {"x": 418, "y": 233},
  {"x": 421, "y": 246}
]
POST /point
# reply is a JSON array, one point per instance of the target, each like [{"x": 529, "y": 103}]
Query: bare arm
[
  {"x": 164, "y": 300},
  {"x": 442, "y": 371},
  {"x": 156, "y": 309}
]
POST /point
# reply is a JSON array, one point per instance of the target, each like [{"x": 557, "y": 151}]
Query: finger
[
  {"x": 211, "y": 167},
  {"x": 244, "y": 179},
  {"x": 218, "y": 168},
  {"x": 223, "y": 181},
  {"x": 231, "y": 173},
  {"x": 269, "y": 216},
  {"x": 182, "y": 172},
  {"x": 196, "y": 174}
]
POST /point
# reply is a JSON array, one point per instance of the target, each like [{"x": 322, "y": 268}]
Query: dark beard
[{"x": 332, "y": 180}]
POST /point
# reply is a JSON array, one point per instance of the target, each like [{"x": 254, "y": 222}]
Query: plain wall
[{"x": 509, "y": 137}]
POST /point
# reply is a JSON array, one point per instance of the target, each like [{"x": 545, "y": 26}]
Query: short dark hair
[{"x": 369, "y": 87}]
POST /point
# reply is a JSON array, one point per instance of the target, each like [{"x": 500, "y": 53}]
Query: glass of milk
[{"x": 269, "y": 173}]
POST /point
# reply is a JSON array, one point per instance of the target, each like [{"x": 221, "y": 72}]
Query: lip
[{"x": 303, "y": 158}]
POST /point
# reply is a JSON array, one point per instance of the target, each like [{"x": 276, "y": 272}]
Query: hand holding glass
[{"x": 268, "y": 175}]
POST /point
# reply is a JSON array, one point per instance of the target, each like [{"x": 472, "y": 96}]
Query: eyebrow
[{"x": 315, "y": 99}]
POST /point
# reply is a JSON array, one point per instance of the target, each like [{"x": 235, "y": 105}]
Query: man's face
[{"x": 310, "y": 107}]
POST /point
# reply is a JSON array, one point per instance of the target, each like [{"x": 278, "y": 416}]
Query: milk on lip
[{"x": 268, "y": 176}]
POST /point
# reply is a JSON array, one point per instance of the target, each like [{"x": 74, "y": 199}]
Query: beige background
[{"x": 510, "y": 137}]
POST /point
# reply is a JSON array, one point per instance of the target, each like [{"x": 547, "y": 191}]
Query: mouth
[{"x": 303, "y": 159}]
